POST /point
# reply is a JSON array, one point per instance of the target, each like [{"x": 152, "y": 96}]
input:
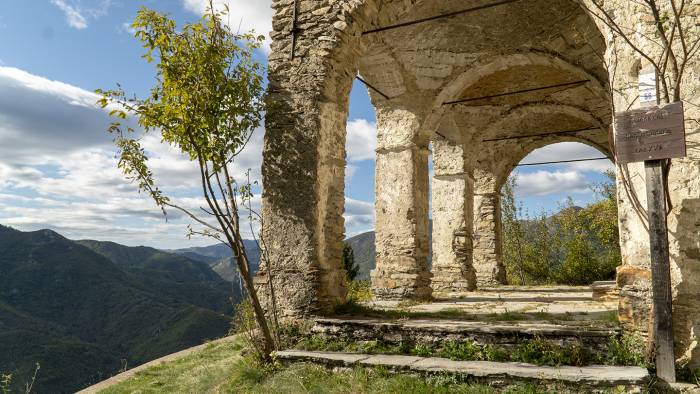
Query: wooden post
[
  {"x": 660, "y": 272},
  {"x": 652, "y": 134}
]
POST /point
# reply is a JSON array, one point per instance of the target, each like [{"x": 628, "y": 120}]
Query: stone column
[
  {"x": 453, "y": 196},
  {"x": 401, "y": 209},
  {"x": 488, "y": 259},
  {"x": 304, "y": 160}
]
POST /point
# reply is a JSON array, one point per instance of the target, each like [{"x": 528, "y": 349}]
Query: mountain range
[{"x": 84, "y": 310}]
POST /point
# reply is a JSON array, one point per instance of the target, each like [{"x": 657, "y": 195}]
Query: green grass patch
[
  {"x": 249, "y": 377},
  {"x": 220, "y": 368},
  {"x": 205, "y": 371},
  {"x": 626, "y": 350}
]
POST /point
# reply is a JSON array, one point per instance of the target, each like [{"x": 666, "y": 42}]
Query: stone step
[
  {"x": 589, "y": 379},
  {"x": 434, "y": 331}
]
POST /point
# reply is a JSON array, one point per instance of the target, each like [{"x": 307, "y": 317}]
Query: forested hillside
[{"x": 84, "y": 314}]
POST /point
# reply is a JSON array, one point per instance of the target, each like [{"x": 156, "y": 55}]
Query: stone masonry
[{"x": 440, "y": 83}]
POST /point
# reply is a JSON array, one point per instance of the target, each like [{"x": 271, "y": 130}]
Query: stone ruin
[{"x": 438, "y": 84}]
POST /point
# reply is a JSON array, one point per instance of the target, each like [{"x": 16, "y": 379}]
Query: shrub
[{"x": 5, "y": 382}]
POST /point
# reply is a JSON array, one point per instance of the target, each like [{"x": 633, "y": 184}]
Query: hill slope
[
  {"x": 174, "y": 275},
  {"x": 365, "y": 253},
  {"x": 82, "y": 317},
  {"x": 218, "y": 257}
]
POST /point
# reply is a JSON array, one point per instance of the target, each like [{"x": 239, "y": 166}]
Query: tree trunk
[{"x": 243, "y": 269}]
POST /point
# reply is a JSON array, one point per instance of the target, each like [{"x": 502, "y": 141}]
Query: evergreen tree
[{"x": 349, "y": 262}]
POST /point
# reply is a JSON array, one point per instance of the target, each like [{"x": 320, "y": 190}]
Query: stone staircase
[
  {"x": 395, "y": 336},
  {"x": 505, "y": 334}
]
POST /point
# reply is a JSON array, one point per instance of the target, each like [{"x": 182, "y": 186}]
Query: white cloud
[
  {"x": 359, "y": 215},
  {"x": 571, "y": 151},
  {"x": 77, "y": 16},
  {"x": 244, "y": 14},
  {"x": 58, "y": 168},
  {"x": 126, "y": 28},
  {"x": 73, "y": 15},
  {"x": 542, "y": 183},
  {"x": 361, "y": 140}
]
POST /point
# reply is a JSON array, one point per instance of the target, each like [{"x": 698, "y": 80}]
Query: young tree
[
  {"x": 513, "y": 234},
  {"x": 207, "y": 101},
  {"x": 349, "y": 262}
]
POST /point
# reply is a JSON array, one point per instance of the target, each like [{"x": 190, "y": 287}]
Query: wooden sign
[{"x": 650, "y": 133}]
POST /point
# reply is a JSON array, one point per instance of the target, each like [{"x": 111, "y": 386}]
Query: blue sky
[{"x": 57, "y": 166}]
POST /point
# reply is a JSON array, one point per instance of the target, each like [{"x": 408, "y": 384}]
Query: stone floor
[{"x": 570, "y": 302}]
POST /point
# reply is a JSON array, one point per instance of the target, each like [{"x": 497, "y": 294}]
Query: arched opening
[
  {"x": 361, "y": 143},
  {"x": 559, "y": 222}
]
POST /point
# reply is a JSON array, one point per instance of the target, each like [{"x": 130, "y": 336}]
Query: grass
[
  {"x": 208, "y": 370},
  {"x": 221, "y": 368},
  {"x": 308, "y": 378}
]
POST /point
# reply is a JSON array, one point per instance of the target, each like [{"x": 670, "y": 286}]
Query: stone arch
[
  {"x": 489, "y": 66},
  {"x": 502, "y": 62}
]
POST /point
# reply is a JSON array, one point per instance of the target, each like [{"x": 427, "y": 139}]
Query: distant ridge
[{"x": 86, "y": 309}]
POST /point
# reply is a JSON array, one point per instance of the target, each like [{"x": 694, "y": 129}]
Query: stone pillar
[
  {"x": 453, "y": 196},
  {"x": 304, "y": 161},
  {"x": 488, "y": 259},
  {"x": 401, "y": 209}
]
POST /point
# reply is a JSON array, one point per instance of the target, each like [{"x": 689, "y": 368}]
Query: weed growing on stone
[
  {"x": 628, "y": 349},
  {"x": 685, "y": 374},
  {"x": 5, "y": 382},
  {"x": 535, "y": 351},
  {"x": 540, "y": 352},
  {"x": 353, "y": 308}
]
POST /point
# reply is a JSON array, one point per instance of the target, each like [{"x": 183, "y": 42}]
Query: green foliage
[
  {"x": 577, "y": 246},
  {"x": 5, "y": 383},
  {"x": 540, "y": 352},
  {"x": 206, "y": 103},
  {"x": 628, "y": 349},
  {"x": 359, "y": 291},
  {"x": 351, "y": 269},
  {"x": 686, "y": 374}
]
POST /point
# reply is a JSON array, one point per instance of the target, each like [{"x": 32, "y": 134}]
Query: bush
[
  {"x": 359, "y": 291},
  {"x": 5, "y": 382}
]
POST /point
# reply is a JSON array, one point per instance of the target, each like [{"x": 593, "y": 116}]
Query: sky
[{"x": 57, "y": 162}]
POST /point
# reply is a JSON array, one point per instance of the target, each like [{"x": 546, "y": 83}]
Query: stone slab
[
  {"x": 327, "y": 357},
  {"x": 596, "y": 376},
  {"x": 392, "y": 361},
  {"x": 483, "y": 327}
]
